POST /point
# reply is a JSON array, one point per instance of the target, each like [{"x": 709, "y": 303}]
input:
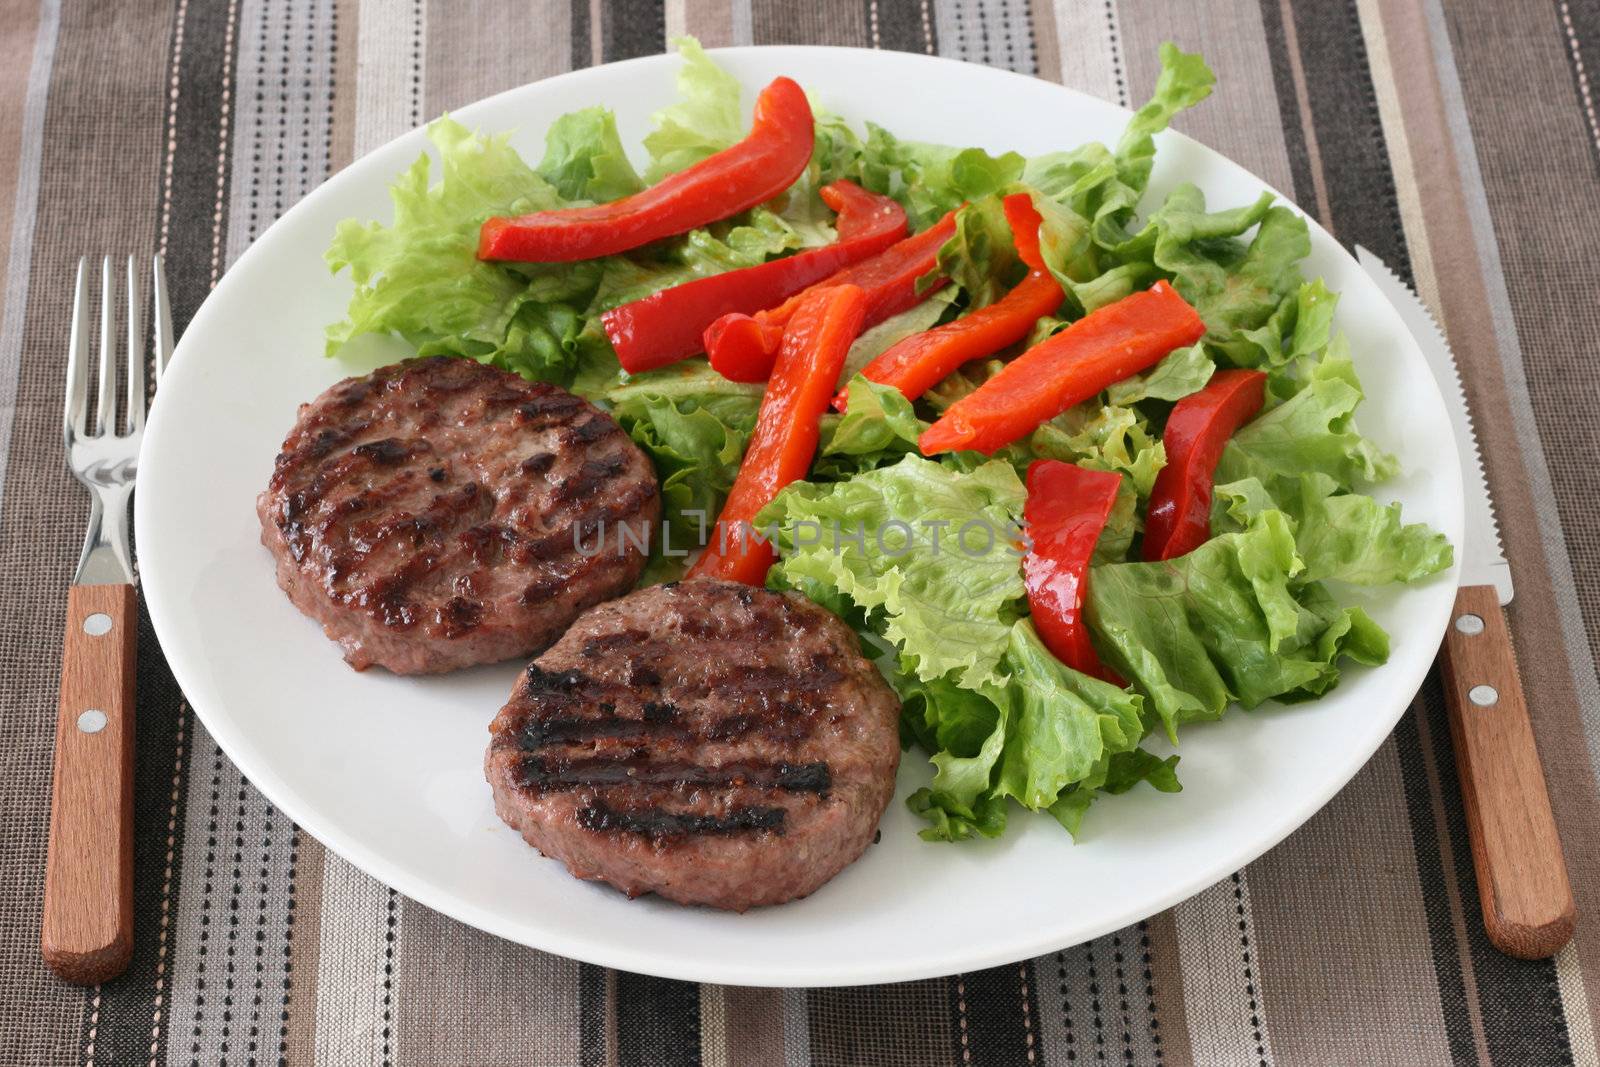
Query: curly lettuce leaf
[
  {"x": 1104, "y": 187},
  {"x": 1108, "y": 438},
  {"x": 878, "y": 427},
  {"x": 694, "y": 425},
  {"x": 876, "y": 340},
  {"x": 947, "y": 610},
  {"x": 1313, "y": 432},
  {"x": 928, "y": 179},
  {"x": 1232, "y": 620},
  {"x": 1346, "y": 537},
  {"x": 704, "y": 121},
  {"x": 980, "y": 258},
  {"x": 1184, "y": 371},
  {"x": 1043, "y": 731},
  {"x": 420, "y": 277},
  {"x": 1233, "y": 284},
  {"x": 584, "y": 158},
  {"x": 1184, "y": 81}
]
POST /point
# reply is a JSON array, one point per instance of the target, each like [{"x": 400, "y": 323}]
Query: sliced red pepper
[
  {"x": 669, "y": 325},
  {"x": 925, "y": 359},
  {"x": 1066, "y": 510},
  {"x": 1025, "y": 221},
  {"x": 1105, "y": 346},
  {"x": 742, "y": 347},
  {"x": 819, "y": 334},
  {"x": 758, "y": 168},
  {"x": 1179, "y": 519}
]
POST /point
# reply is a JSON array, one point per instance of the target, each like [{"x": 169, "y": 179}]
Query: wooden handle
[
  {"x": 87, "y": 936},
  {"x": 1522, "y": 876}
]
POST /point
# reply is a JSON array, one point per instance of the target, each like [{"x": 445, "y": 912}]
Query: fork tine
[
  {"x": 136, "y": 399},
  {"x": 158, "y": 283},
  {"x": 106, "y": 410},
  {"x": 77, "y": 406}
]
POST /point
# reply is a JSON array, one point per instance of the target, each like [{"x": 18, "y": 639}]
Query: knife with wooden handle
[{"x": 1522, "y": 875}]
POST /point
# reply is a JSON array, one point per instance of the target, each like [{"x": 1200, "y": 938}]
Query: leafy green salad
[{"x": 1253, "y": 614}]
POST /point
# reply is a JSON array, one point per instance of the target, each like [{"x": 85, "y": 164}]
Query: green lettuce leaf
[
  {"x": 877, "y": 428},
  {"x": 419, "y": 278},
  {"x": 1313, "y": 432},
  {"x": 924, "y": 315},
  {"x": 930, "y": 180},
  {"x": 1108, "y": 438},
  {"x": 980, "y": 258},
  {"x": 584, "y": 158},
  {"x": 694, "y": 425},
  {"x": 1183, "y": 372},
  {"x": 704, "y": 121},
  {"x": 1185, "y": 80},
  {"x": 1300, "y": 326},
  {"x": 948, "y": 610},
  {"x": 1043, "y": 731},
  {"x": 1347, "y": 537},
  {"x": 1234, "y": 285},
  {"x": 1232, "y": 620}
]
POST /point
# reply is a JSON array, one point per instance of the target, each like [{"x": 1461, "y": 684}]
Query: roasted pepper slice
[
  {"x": 1066, "y": 510},
  {"x": 1179, "y": 519},
  {"x": 742, "y": 347},
  {"x": 758, "y": 168},
  {"x": 1104, "y": 346},
  {"x": 667, "y": 326},
  {"x": 815, "y": 341}
]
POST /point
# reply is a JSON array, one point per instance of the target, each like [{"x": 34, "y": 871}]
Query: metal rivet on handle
[
  {"x": 97, "y": 624},
  {"x": 1469, "y": 624},
  {"x": 1483, "y": 695},
  {"x": 92, "y": 721}
]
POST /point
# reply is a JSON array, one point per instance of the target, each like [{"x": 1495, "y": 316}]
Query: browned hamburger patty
[
  {"x": 707, "y": 741},
  {"x": 439, "y": 513}
]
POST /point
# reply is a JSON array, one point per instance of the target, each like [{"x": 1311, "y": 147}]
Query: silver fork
[{"x": 87, "y": 933}]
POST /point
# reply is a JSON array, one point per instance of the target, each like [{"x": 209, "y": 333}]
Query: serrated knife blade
[
  {"x": 1523, "y": 887},
  {"x": 1483, "y": 560}
]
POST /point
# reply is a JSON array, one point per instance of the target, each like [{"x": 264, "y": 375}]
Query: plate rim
[{"x": 555, "y": 939}]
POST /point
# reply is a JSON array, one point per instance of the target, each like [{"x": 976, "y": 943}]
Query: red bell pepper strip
[
  {"x": 742, "y": 347},
  {"x": 667, "y": 326},
  {"x": 1105, "y": 346},
  {"x": 1025, "y": 221},
  {"x": 785, "y": 439},
  {"x": 1066, "y": 510},
  {"x": 1179, "y": 519},
  {"x": 923, "y": 360},
  {"x": 758, "y": 168}
]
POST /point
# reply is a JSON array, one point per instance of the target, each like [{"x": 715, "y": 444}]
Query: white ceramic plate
[{"x": 386, "y": 771}]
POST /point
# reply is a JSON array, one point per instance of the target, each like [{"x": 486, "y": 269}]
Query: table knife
[{"x": 1522, "y": 876}]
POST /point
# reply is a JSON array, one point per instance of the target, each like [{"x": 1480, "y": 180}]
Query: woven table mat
[{"x": 1459, "y": 141}]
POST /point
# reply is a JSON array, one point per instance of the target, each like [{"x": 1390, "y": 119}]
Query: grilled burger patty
[
  {"x": 708, "y": 741},
  {"x": 440, "y": 513}
]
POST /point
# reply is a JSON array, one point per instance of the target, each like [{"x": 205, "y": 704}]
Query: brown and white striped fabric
[{"x": 1458, "y": 140}]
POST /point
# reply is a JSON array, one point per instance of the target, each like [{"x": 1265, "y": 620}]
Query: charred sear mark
[
  {"x": 567, "y": 700},
  {"x": 554, "y": 775},
  {"x": 659, "y": 825},
  {"x": 459, "y": 616},
  {"x": 537, "y": 463},
  {"x": 385, "y": 453}
]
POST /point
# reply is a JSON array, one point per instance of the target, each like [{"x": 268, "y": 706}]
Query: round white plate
[{"x": 386, "y": 771}]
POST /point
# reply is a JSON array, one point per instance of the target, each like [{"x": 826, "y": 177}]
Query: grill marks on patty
[
  {"x": 586, "y": 742},
  {"x": 439, "y": 499},
  {"x": 708, "y": 741}
]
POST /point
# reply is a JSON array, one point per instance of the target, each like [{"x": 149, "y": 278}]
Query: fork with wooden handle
[{"x": 87, "y": 932}]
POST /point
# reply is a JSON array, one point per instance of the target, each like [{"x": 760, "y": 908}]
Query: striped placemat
[{"x": 1459, "y": 142}]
